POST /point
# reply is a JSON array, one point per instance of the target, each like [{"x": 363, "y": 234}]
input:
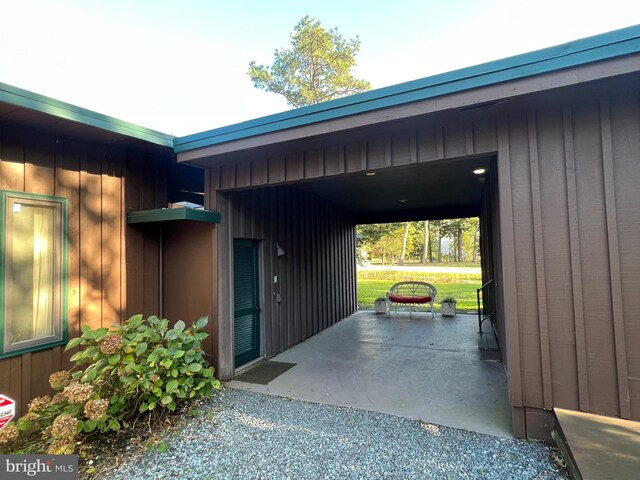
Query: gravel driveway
[{"x": 247, "y": 435}]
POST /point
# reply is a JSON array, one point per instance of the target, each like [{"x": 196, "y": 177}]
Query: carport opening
[
  {"x": 452, "y": 198},
  {"x": 408, "y": 365}
]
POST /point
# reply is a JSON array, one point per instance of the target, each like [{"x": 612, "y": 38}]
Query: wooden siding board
[
  {"x": 227, "y": 176},
  {"x": 112, "y": 213},
  {"x": 12, "y": 160},
  {"x": 243, "y": 174},
  {"x": 123, "y": 244},
  {"x": 401, "y": 151},
  {"x": 576, "y": 269},
  {"x": 67, "y": 185},
  {"x": 454, "y": 140},
  {"x": 304, "y": 268},
  {"x": 225, "y": 300},
  {"x": 276, "y": 169},
  {"x": 625, "y": 125},
  {"x": 468, "y": 134},
  {"x": 314, "y": 163},
  {"x": 289, "y": 271},
  {"x": 134, "y": 240},
  {"x": 334, "y": 160},
  {"x": 90, "y": 242},
  {"x": 614, "y": 259},
  {"x": 601, "y": 363},
  {"x": 39, "y": 165},
  {"x": 316, "y": 266},
  {"x": 557, "y": 258},
  {"x": 634, "y": 397},
  {"x": 428, "y": 145},
  {"x": 25, "y": 382},
  {"x": 334, "y": 274},
  {"x": 440, "y": 142},
  {"x": 42, "y": 366},
  {"x": 525, "y": 279},
  {"x": 352, "y": 157},
  {"x": 376, "y": 153},
  {"x": 294, "y": 166},
  {"x": 275, "y": 307},
  {"x": 237, "y": 228},
  {"x": 259, "y": 172},
  {"x": 484, "y": 135}
]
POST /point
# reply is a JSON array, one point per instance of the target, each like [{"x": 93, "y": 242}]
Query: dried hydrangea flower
[
  {"x": 8, "y": 434},
  {"x": 77, "y": 392},
  {"x": 111, "y": 344},
  {"x": 96, "y": 409},
  {"x": 57, "y": 398},
  {"x": 31, "y": 416},
  {"x": 59, "y": 380},
  {"x": 61, "y": 446},
  {"x": 39, "y": 403},
  {"x": 64, "y": 426}
]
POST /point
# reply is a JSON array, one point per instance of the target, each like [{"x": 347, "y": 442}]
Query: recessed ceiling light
[
  {"x": 479, "y": 171},
  {"x": 370, "y": 174},
  {"x": 403, "y": 200}
]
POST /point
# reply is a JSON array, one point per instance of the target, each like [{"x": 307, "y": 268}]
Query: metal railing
[{"x": 482, "y": 315}]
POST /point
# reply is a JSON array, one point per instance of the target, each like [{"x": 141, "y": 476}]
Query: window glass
[{"x": 34, "y": 274}]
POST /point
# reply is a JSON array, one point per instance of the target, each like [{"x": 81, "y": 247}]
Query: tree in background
[
  {"x": 315, "y": 69},
  {"x": 420, "y": 241},
  {"x": 426, "y": 251},
  {"x": 405, "y": 237}
]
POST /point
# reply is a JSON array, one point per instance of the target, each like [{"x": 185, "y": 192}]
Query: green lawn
[{"x": 464, "y": 293}]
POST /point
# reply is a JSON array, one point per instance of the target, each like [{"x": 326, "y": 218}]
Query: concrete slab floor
[{"x": 418, "y": 367}]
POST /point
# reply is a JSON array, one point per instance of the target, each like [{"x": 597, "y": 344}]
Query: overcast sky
[{"x": 180, "y": 66}]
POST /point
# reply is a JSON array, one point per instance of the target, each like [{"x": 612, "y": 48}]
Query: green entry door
[{"x": 246, "y": 301}]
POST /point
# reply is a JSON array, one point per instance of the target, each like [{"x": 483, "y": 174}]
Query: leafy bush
[{"x": 139, "y": 368}]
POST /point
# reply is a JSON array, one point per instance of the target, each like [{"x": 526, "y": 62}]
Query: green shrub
[{"x": 139, "y": 368}]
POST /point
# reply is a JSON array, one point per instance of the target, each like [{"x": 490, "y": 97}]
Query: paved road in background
[{"x": 425, "y": 269}]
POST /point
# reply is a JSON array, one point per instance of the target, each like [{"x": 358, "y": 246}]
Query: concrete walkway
[
  {"x": 601, "y": 447},
  {"x": 417, "y": 367}
]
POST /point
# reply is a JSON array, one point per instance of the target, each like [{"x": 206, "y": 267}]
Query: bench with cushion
[{"x": 413, "y": 296}]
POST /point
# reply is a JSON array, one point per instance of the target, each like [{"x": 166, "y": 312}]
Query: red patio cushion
[{"x": 401, "y": 299}]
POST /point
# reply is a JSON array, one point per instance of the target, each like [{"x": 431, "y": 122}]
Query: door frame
[{"x": 260, "y": 298}]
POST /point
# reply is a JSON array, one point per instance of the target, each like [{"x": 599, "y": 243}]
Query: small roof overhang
[{"x": 172, "y": 214}]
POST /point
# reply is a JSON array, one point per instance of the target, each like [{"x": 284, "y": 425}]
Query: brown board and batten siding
[
  {"x": 101, "y": 183},
  {"x": 568, "y": 164},
  {"x": 316, "y": 275}
]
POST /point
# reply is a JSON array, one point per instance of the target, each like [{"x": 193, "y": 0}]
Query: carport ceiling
[{"x": 430, "y": 191}]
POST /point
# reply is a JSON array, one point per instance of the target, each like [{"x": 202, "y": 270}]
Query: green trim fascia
[
  {"x": 65, "y": 270},
  {"x": 40, "y": 103},
  {"x": 170, "y": 214},
  {"x": 579, "y": 52}
]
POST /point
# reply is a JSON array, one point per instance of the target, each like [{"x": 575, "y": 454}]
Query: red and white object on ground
[{"x": 7, "y": 410}]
